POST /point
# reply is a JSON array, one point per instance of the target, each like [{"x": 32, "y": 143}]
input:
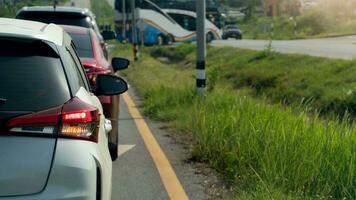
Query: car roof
[
  {"x": 31, "y": 30},
  {"x": 59, "y": 9},
  {"x": 76, "y": 29}
]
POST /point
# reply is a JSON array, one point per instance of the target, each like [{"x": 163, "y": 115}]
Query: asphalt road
[{"x": 337, "y": 47}]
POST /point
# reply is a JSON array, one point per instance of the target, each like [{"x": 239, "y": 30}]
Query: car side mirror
[
  {"x": 110, "y": 85},
  {"x": 108, "y": 35},
  {"x": 120, "y": 63}
]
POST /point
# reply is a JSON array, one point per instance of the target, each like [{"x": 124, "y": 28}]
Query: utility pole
[
  {"x": 134, "y": 30},
  {"x": 124, "y": 20},
  {"x": 55, "y": 3},
  {"x": 201, "y": 47}
]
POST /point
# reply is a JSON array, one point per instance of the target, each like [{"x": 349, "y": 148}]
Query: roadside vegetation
[
  {"x": 326, "y": 87},
  {"x": 103, "y": 11},
  {"x": 243, "y": 128},
  {"x": 9, "y": 8},
  {"x": 312, "y": 24},
  {"x": 291, "y": 19}
]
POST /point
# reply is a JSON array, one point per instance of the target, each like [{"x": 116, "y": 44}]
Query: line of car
[{"x": 58, "y": 105}]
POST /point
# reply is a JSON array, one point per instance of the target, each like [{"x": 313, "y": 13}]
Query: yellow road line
[{"x": 169, "y": 178}]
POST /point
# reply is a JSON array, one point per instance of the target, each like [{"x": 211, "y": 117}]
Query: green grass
[
  {"x": 9, "y": 11},
  {"x": 312, "y": 24},
  {"x": 325, "y": 86},
  {"x": 265, "y": 151}
]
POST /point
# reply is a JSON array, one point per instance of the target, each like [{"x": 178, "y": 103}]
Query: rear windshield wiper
[{"x": 2, "y": 101}]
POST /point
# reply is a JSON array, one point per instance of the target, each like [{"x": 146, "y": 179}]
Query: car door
[{"x": 83, "y": 94}]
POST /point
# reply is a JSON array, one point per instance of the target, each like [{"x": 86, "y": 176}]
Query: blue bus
[{"x": 154, "y": 25}]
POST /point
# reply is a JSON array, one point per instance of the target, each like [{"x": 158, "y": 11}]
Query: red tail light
[
  {"x": 96, "y": 69},
  {"x": 80, "y": 121},
  {"x": 92, "y": 70},
  {"x": 44, "y": 122},
  {"x": 75, "y": 119}
]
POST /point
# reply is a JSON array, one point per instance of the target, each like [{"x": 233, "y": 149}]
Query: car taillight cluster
[
  {"x": 75, "y": 119},
  {"x": 96, "y": 69},
  {"x": 93, "y": 70}
]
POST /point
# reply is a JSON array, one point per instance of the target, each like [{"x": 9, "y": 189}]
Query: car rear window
[
  {"x": 57, "y": 18},
  {"x": 83, "y": 45},
  {"x": 31, "y": 77}
]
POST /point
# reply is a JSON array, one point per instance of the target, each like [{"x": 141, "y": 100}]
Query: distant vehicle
[
  {"x": 214, "y": 10},
  {"x": 95, "y": 63},
  {"x": 53, "y": 134},
  {"x": 73, "y": 16},
  {"x": 232, "y": 31},
  {"x": 187, "y": 19},
  {"x": 155, "y": 24}
]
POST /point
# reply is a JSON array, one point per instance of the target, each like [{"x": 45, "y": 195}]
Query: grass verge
[
  {"x": 265, "y": 151},
  {"x": 325, "y": 86}
]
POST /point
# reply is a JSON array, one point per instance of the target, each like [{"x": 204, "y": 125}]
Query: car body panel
[
  {"x": 25, "y": 164},
  {"x": 46, "y": 167},
  {"x": 93, "y": 67}
]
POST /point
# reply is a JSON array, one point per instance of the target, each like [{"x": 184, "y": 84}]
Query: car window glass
[
  {"x": 83, "y": 45},
  {"x": 79, "y": 66},
  {"x": 30, "y": 81},
  {"x": 71, "y": 70},
  {"x": 98, "y": 46}
]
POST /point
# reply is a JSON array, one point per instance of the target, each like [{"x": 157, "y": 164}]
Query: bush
[
  {"x": 174, "y": 53},
  {"x": 313, "y": 22}
]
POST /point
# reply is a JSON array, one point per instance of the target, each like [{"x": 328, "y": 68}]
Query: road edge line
[{"x": 167, "y": 174}]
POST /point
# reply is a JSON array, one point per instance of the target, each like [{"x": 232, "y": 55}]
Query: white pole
[
  {"x": 124, "y": 19},
  {"x": 134, "y": 30},
  {"x": 201, "y": 47}
]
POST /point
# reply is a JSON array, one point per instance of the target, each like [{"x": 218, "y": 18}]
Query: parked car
[
  {"x": 95, "y": 63},
  {"x": 232, "y": 31},
  {"x": 64, "y": 16},
  {"x": 53, "y": 134}
]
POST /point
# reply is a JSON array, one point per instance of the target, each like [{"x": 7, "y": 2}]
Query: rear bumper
[{"x": 74, "y": 173}]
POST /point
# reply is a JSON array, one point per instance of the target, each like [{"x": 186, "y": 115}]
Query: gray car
[{"x": 53, "y": 133}]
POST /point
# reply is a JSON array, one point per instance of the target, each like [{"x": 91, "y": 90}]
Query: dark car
[
  {"x": 73, "y": 16},
  {"x": 232, "y": 31},
  {"x": 95, "y": 63}
]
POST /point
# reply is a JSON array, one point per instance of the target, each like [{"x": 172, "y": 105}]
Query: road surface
[
  {"x": 151, "y": 165},
  {"x": 337, "y": 47}
]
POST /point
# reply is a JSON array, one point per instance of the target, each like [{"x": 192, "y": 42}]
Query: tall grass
[
  {"x": 266, "y": 151},
  {"x": 325, "y": 85}
]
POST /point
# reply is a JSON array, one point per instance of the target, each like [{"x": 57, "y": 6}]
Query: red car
[{"x": 93, "y": 59}]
